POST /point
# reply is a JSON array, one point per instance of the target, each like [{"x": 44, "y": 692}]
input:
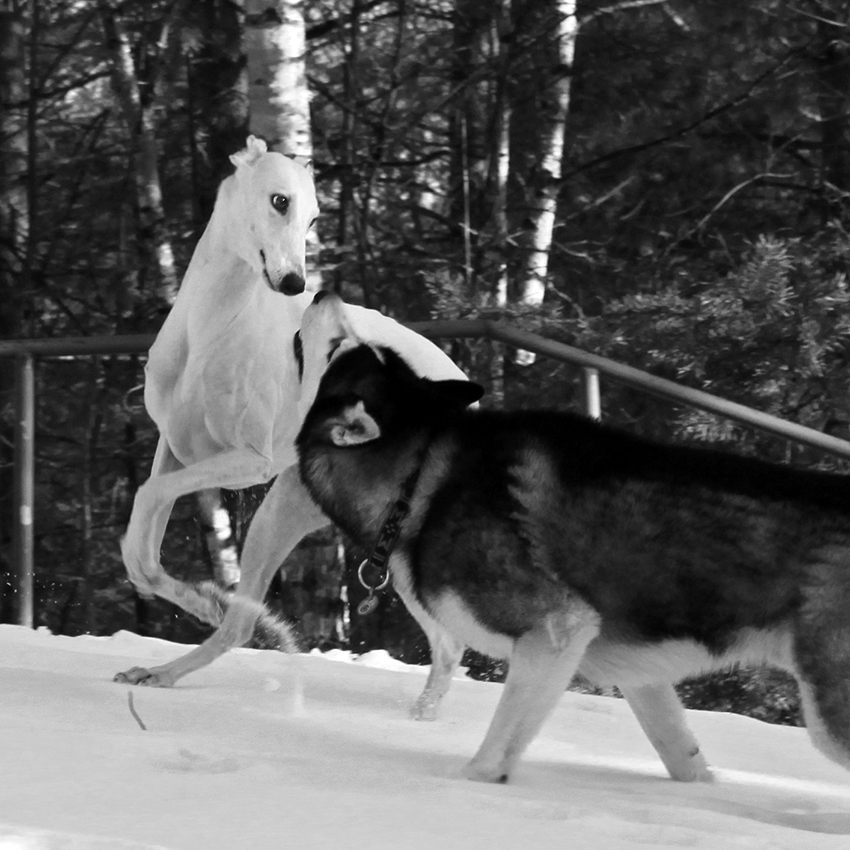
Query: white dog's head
[
  {"x": 330, "y": 327},
  {"x": 272, "y": 202},
  {"x": 325, "y": 331}
]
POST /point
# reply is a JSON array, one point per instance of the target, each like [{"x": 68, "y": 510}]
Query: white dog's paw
[
  {"x": 145, "y": 677},
  {"x": 482, "y": 772}
]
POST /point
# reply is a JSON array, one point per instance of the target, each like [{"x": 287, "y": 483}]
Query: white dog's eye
[{"x": 280, "y": 202}]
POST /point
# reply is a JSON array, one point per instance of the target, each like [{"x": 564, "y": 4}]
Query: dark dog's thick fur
[{"x": 564, "y": 545}]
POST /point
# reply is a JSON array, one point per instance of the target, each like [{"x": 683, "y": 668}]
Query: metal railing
[{"x": 592, "y": 366}]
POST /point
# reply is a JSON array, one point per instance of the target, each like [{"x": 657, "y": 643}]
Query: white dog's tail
[{"x": 271, "y": 631}]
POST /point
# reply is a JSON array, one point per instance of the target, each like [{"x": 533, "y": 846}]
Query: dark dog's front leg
[
  {"x": 541, "y": 666},
  {"x": 662, "y": 718}
]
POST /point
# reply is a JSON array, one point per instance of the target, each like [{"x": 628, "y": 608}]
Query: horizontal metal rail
[
  {"x": 484, "y": 328},
  {"x": 77, "y": 346},
  {"x": 637, "y": 379},
  {"x": 592, "y": 365}
]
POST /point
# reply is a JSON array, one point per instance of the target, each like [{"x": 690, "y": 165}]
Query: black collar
[{"x": 378, "y": 561}]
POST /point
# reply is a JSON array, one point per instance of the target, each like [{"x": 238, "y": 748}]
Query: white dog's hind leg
[
  {"x": 662, "y": 718},
  {"x": 142, "y": 541},
  {"x": 233, "y": 469},
  {"x": 541, "y": 666},
  {"x": 284, "y": 517}
]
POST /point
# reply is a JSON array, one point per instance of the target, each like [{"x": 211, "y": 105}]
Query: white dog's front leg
[
  {"x": 285, "y": 516},
  {"x": 140, "y": 546},
  {"x": 662, "y": 718},
  {"x": 233, "y": 469},
  {"x": 541, "y": 666}
]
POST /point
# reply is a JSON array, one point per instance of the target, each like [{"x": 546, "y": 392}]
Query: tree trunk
[
  {"x": 276, "y": 47},
  {"x": 539, "y": 221},
  {"x": 280, "y": 99},
  {"x": 156, "y": 254},
  {"x": 275, "y": 44},
  {"x": 348, "y": 145},
  {"x": 219, "y": 538},
  {"x": 474, "y": 125},
  {"x": 14, "y": 234},
  {"x": 833, "y": 79},
  {"x": 549, "y": 100},
  {"x": 14, "y": 209},
  {"x": 218, "y": 87}
]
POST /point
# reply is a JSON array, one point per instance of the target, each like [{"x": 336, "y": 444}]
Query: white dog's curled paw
[{"x": 143, "y": 676}]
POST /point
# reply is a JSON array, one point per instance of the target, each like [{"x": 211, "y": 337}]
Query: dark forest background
[{"x": 666, "y": 182}]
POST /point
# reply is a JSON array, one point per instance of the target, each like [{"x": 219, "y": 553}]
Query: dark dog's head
[{"x": 369, "y": 393}]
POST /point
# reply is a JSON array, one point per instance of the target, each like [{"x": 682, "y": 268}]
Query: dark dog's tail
[{"x": 270, "y": 631}]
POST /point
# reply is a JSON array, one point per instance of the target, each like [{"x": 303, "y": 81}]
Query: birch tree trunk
[
  {"x": 140, "y": 118},
  {"x": 544, "y": 156},
  {"x": 219, "y": 538},
  {"x": 276, "y": 46},
  {"x": 500, "y": 164}
]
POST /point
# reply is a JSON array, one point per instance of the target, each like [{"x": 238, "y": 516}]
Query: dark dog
[{"x": 563, "y": 545}]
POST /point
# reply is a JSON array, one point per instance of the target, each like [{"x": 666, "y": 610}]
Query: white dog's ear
[
  {"x": 354, "y": 427},
  {"x": 253, "y": 150},
  {"x": 337, "y": 327}
]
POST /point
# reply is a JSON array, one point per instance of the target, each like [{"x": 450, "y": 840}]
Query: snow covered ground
[{"x": 262, "y": 750}]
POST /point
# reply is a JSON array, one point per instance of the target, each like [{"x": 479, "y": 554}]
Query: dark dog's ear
[
  {"x": 353, "y": 427},
  {"x": 454, "y": 394}
]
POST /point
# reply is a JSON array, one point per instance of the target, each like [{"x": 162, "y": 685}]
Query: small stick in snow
[{"x": 133, "y": 711}]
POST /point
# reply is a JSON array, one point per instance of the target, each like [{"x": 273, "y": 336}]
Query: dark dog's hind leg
[{"x": 822, "y": 662}]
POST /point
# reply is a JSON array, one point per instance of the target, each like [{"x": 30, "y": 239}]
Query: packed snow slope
[{"x": 263, "y": 750}]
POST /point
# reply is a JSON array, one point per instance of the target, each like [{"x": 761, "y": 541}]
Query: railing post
[
  {"x": 591, "y": 400},
  {"x": 24, "y": 489}
]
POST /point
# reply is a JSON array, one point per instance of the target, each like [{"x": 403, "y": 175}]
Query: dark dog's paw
[{"x": 424, "y": 709}]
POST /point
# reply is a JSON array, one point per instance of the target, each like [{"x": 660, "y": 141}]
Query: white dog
[{"x": 222, "y": 385}]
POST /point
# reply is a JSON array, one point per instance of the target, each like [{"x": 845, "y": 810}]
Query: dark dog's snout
[
  {"x": 321, "y": 295},
  {"x": 292, "y": 283}
]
